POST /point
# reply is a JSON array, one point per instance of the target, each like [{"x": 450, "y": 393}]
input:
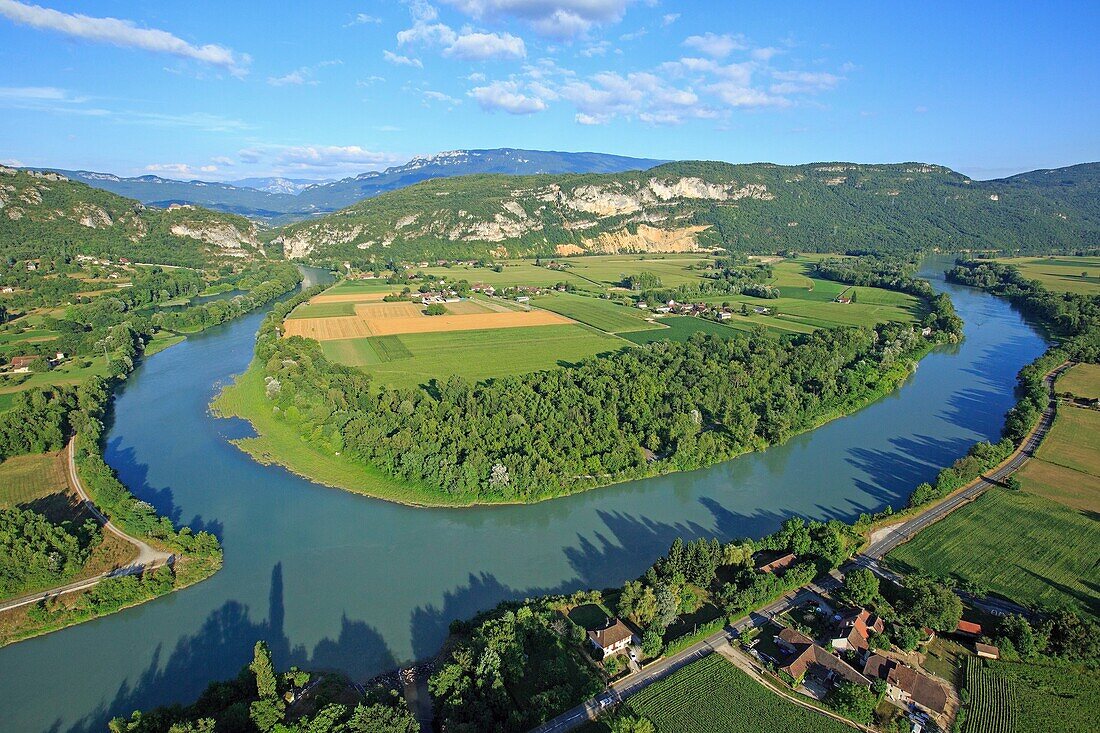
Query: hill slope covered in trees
[{"x": 838, "y": 207}]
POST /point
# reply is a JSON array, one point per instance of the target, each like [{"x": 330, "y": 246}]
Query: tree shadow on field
[{"x": 223, "y": 646}]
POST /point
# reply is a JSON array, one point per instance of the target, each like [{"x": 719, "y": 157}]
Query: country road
[
  {"x": 147, "y": 557},
  {"x": 869, "y": 559}
]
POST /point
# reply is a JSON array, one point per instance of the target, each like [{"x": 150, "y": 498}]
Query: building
[
  {"x": 775, "y": 564},
  {"x": 853, "y": 630},
  {"x": 22, "y": 364},
  {"x": 988, "y": 651},
  {"x": 805, "y": 657},
  {"x": 968, "y": 628},
  {"x": 905, "y": 685},
  {"x": 614, "y": 637}
]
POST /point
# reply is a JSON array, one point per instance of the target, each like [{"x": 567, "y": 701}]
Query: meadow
[
  {"x": 323, "y": 310},
  {"x": 1061, "y": 273},
  {"x": 714, "y": 695},
  {"x": 504, "y": 351},
  {"x": 1016, "y": 544},
  {"x": 1021, "y": 697},
  {"x": 597, "y": 312},
  {"x": 31, "y": 478},
  {"x": 1083, "y": 380}
]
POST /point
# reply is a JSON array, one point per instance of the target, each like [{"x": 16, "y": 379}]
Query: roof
[
  {"x": 23, "y": 360},
  {"x": 987, "y": 650},
  {"x": 969, "y": 627},
  {"x": 807, "y": 654},
  {"x": 856, "y": 626},
  {"x": 923, "y": 690},
  {"x": 776, "y": 563},
  {"x": 614, "y": 633}
]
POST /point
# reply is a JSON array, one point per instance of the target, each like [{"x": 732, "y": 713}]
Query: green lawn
[
  {"x": 1062, "y": 273},
  {"x": 1083, "y": 380},
  {"x": 1021, "y": 546},
  {"x": 161, "y": 341},
  {"x": 596, "y": 312},
  {"x": 713, "y": 695},
  {"x": 323, "y": 310},
  {"x": 485, "y": 354}
]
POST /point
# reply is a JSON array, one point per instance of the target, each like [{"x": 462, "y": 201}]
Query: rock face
[
  {"x": 222, "y": 235},
  {"x": 631, "y": 215}
]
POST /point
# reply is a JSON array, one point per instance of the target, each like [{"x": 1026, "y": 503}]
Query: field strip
[
  {"x": 473, "y": 322},
  {"x": 388, "y": 311},
  {"x": 348, "y": 297},
  {"x": 321, "y": 329}
]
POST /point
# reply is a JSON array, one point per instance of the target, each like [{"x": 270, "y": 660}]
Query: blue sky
[{"x": 224, "y": 90}]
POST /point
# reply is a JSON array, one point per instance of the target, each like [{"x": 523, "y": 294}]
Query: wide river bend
[{"x": 335, "y": 580}]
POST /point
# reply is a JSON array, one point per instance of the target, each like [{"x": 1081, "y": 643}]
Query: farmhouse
[
  {"x": 853, "y": 630},
  {"x": 988, "y": 651},
  {"x": 804, "y": 656},
  {"x": 905, "y": 685},
  {"x": 22, "y": 364},
  {"x": 773, "y": 564},
  {"x": 968, "y": 628},
  {"x": 615, "y": 637}
]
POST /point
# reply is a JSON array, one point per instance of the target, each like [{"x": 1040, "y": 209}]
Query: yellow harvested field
[
  {"x": 392, "y": 319},
  {"x": 349, "y": 298},
  {"x": 327, "y": 329},
  {"x": 378, "y": 311},
  {"x": 472, "y": 322}
]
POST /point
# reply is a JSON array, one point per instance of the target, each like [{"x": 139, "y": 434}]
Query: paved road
[
  {"x": 147, "y": 557},
  {"x": 869, "y": 558}
]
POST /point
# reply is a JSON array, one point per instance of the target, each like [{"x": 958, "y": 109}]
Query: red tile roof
[
  {"x": 969, "y": 627},
  {"x": 613, "y": 634}
]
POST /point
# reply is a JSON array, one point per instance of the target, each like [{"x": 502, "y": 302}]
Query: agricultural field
[
  {"x": 1061, "y": 273},
  {"x": 681, "y": 328},
  {"x": 1083, "y": 380},
  {"x": 713, "y": 695},
  {"x": 1021, "y": 697},
  {"x": 1018, "y": 545},
  {"x": 608, "y": 270},
  {"x": 513, "y": 273},
  {"x": 323, "y": 310},
  {"x": 597, "y": 312},
  {"x": 513, "y": 351}
]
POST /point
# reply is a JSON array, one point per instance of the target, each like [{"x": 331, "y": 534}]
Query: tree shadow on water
[{"x": 222, "y": 646}]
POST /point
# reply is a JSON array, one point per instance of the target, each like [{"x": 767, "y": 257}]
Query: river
[{"x": 335, "y": 580}]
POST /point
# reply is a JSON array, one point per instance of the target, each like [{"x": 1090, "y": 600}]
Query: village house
[
  {"x": 853, "y": 630},
  {"x": 905, "y": 685},
  {"x": 805, "y": 657},
  {"x": 771, "y": 563},
  {"x": 22, "y": 364},
  {"x": 986, "y": 651},
  {"x": 615, "y": 637},
  {"x": 643, "y": 305},
  {"x": 968, "y": 628}
]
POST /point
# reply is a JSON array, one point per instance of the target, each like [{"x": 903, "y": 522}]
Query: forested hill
[
  {"x": 837, "y": 207},
  {"x": 44, "y": 214}
]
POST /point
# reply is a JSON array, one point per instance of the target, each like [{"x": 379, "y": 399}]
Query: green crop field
[
  {"x": 1021, "y": 546},
  {"x": 713, "y": 695},
  {"x": 680, "y": 328},
  {"x": 358, "y": 287},
  {"x": 1083, "y": 380},
  {"x": 323, "y": 310},
  {"x": 24, "y": 479},
  {"x": 365, "y": 351},
  {"x": 596, "y": 312},
  {"x": 1062, "y": 273},
  {"x": 485, "y": 354},
  {"x": 673, "y": 269},
  {"x": 1066, "y": 468},
  {"x": 514, "y": 272},
  {"x": 1021, "y": 697}
]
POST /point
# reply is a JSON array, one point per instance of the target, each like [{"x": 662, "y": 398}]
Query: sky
[{"x": 222, "y": 90}]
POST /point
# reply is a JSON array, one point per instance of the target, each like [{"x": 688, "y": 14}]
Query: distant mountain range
[{"x": 284, "y": 200}]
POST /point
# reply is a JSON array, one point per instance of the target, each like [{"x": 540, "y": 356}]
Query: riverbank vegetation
[{"x": 295, "y": 701}]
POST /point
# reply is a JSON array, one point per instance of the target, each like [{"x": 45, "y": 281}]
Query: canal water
[{"x": 335, "y": 580}]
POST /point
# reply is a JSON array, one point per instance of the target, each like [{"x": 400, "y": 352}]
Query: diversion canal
[{"x": 336, "y": 580}]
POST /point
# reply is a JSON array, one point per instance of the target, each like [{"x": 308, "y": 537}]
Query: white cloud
[
  {"x": 13, "y": 162},
  {"x": 301, "y": 75},
  {"x": 369, "y": 81},
  {"x": 345, "y": 157},
  {"x": 633, "y": 36},
  {"x": 554, "y": 18},
  {"x": 803, "y": 82},
  {"x": 38, "y": 93},
  {"x": 477, "y": 77},
  {"x": 586, "y": 119},
  {"x": 482, "y": 46},
  {"x": 399, "y": 60},
  {"x": 716, "y": 46},
  {"x": 506, "y": 96},
  {"x": 669, "y": 18},
  {"x": 435, "y": 96},
  {"x": 765, "y": 54},
  {"x": 223, "y": 160},
  {"x": 123, "y": 33},
  {"x": 180, "y": 169},
  {"x": 250, "y": 155},
  {"x": 363, "y": 19},
  {"x": 733, "y": 94},
  {"x": 596, "y": 49}
]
